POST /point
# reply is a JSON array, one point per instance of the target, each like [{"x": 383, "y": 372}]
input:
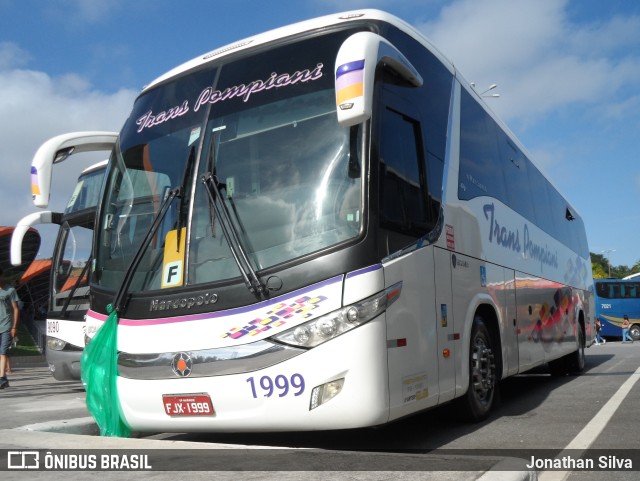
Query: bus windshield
[
  {"x": 86, "y": 193},
  {"x": 266, "y": 130}
]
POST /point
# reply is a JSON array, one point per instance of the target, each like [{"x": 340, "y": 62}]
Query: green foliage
[
  {"x": 600, "y": 267},
  {"x": 26, "y": 346},
  {"x": 599, "y": 272}
]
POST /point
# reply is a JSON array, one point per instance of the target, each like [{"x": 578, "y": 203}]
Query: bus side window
[
  {"x": 403, "y": 185},
  {"x": 615, "y": 291}
]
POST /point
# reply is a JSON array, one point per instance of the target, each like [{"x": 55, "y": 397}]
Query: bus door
[
  {"x": 69, "y": 299},
  {"x": 405, "y": 221},
  {"x": 531, "y": 315},
  {"x": 446, "y": 351},
  {"x": 510, "y": 335}
]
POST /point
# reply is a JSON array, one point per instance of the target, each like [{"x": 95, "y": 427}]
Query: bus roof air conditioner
[{"x": 356, "y": 64}]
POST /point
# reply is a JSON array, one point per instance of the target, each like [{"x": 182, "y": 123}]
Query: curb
[
  {"x": 83, "y": 433},
  {"x": 83, "y": 426}
]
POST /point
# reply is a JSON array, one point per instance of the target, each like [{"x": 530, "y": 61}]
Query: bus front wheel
[
  {"x": 634, "y": 332},
  {"x": 482, "y": 372}
]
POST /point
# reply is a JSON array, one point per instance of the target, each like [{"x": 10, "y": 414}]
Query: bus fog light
[
  {"x": 325, "y": 392},
  {"x": 55, "y": 344}
]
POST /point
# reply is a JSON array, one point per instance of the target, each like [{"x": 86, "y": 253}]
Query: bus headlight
[
  {"x": 319, "y": 330},
  {"x": 55, "y": 344}
]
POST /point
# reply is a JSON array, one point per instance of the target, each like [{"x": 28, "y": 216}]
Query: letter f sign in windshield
[
  {"x": 173, "y": 264},
  {"x": 172, "y": 274}
]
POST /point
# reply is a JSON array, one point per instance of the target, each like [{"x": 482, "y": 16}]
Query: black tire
[
  {"x": 634, "y": 332},
  {"x": 571, "y": 363},
  {"x": 478, "y": 401},
  {"x": 576, "y": 360}
]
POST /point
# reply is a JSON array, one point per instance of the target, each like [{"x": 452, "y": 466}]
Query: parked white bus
[
  {"x": 70, "y": 262},
  {"x": 324, "y": 227}
]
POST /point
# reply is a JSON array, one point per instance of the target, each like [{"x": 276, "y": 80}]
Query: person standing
[
  {"x": 625, "y": 329},
  {"x": 599, "y": 338},
  {"x": 9, "y": 321}
]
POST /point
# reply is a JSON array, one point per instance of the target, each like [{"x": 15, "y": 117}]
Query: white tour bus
[
  {"x": 324, "y": 227},
  {"x": 70, "y": 263}
]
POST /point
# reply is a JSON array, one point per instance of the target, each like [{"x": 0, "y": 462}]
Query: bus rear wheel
[
  {"x": 571, "y": 363},
  {"x": 482, "y": 372},
  {"x": 634, "y": 332}
]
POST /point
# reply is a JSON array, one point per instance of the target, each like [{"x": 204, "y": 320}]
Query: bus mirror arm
[
  {"x": 23, "y": 226},
  {"x": 56, "y": 150},
  {"x": 354, "y": 170},
  {"x": 357, "y": 60}
]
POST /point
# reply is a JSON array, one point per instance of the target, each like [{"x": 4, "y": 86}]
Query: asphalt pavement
[{"x": 46, "y": 432}]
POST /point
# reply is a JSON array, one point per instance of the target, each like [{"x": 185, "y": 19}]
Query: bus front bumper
[{"x": 277, "y": 398}]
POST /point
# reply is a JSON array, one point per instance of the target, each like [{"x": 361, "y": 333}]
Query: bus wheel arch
[
  {"x": 485, "y": 364},
  {"x": 574, "y": 362},
  {"x": 577, "y": 360},
  {"x": 634, "y": 332}
]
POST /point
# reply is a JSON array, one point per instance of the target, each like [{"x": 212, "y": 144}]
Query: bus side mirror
[
  {"x": 23, "y": 226},
  {"x": 356, "y": 64},
  {"x": 56, "y": 150}
]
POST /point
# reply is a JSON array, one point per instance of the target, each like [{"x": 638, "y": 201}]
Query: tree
[
  {"x": 598, "y": 271},
  {"x": 620, "y": 272},
  {"x": 601, "y": 268}
]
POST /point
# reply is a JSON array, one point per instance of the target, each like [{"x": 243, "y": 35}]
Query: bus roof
[
  {"x": 341, "y": 18},
  {"x": 97, "y": 166},
  {"x": 296, "y": 28},
  {"x": 624, "y": 279}
]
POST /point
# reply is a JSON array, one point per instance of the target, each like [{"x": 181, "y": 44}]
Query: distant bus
[
  {"x": 69, "y": 288},
  {"x": 615, "y": 298}
]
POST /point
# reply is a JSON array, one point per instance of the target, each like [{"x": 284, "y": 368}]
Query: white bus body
[
  {"x": 69, "y": 287},
  {"x": 334, "y": 247}
]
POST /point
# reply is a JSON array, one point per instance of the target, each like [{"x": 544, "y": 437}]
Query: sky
[{"x": 567, "y": 72}]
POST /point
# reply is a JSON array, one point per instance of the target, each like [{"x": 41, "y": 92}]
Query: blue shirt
[{"x": 8, "y": 296}]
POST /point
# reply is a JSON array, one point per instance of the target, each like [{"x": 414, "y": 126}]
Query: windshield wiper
[
  {"x": 75, "y": 287},
  {"x": 249, "y": 275},
  {"x": 119, "y": 302},
  {"x": 234, "y": 211}
]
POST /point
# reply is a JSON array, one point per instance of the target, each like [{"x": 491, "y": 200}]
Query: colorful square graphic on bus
[
  {"x": 299, "y": 309},
  {"x": 35, "y": 188},
  {"x": 349, "y": 81}
]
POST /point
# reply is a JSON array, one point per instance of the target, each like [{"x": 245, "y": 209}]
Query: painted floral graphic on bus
[{"x": 554, "y": 321}]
